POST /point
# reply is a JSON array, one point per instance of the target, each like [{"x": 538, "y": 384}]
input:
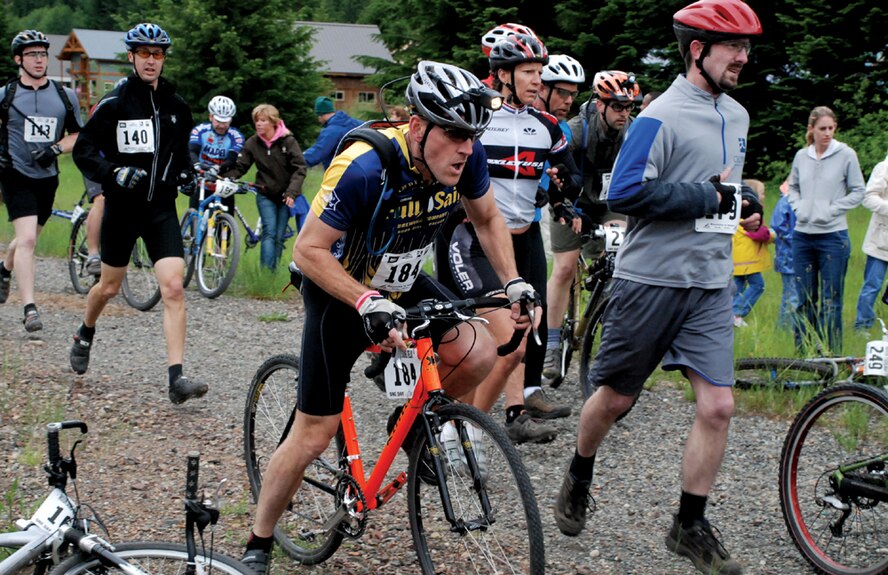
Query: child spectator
[
  {"x": 751, "y": 258},
  {"x": 783, "y": 222}
]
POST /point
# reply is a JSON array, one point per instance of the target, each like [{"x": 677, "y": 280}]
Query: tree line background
[{"x": 249, "y": 51}]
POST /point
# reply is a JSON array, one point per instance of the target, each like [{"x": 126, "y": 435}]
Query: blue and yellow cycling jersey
[
  {"x": 209, "y": 148},
  {"x": 350, "y": 193}
]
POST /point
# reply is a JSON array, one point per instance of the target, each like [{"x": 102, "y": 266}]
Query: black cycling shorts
[
  {"x": 123, "y": 222},
  {"x": 26, "y": 196},
  {"x": 333, "y": 339}
]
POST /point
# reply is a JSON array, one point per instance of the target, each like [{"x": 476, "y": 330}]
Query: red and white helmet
[{"x": 497, "y": 33}]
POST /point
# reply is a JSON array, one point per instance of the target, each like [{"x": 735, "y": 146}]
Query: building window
[{"x": 339, "y": 95}]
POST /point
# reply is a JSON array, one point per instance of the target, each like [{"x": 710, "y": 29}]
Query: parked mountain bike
[
  {"x": 252, "y": 235},
  {"x": 581, "y": 327},
  {"x": 78, "y": 252},
  {"x": 470, "y": 501},
  {"x": 211, "y": 237},
  {"x": 834, "y": 475},
  {"x": 60, "y": 536}
]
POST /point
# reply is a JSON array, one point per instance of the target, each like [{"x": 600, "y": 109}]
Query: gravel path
[{"x": 132, "y": 466}]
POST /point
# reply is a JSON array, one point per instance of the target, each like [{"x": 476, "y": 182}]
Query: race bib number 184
[{"x": 401, "y": 374}]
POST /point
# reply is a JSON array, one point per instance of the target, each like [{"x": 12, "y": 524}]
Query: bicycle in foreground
[
  {"x": 587, "y": 298},
  {"x": 834, "y": 474},
  {"x": 470, "y": 502},
  {"x": 60, "y": 539}
]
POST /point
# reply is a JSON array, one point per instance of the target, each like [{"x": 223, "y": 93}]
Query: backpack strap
[{"x": 8, "y": 95}]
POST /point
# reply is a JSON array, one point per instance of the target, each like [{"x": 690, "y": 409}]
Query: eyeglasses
[
  {"x": 565, "y": 94},
  {"x": 458, "y": 136},
  {"x": 737, "y": 46},
  {"x": 145, "y": 53},
  {"x": 36, "y": 55},
  {"x": 619, "y": 108}
]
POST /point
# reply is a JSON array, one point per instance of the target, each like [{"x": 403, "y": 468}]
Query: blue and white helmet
[{"x": 147, "y": 34}]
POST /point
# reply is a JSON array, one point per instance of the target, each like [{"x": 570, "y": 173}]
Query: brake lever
[{"x": 530, "y": 314}]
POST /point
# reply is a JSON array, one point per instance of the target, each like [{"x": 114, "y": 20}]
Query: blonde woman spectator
[{"x": 875, "y": 245}]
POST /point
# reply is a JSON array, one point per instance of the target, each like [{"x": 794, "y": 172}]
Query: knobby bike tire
[
  {"x": 188, "y": 229},
  {"x": 140, "y": 288},
  {"x": 216, "y": 267},
  {"x": 271, "y": 402},
  {"x": 781, "y": 372},
  {"x": 589, "y": 349},
  {"x": 154, "y": 558},
  {"x": 838, "y": 427},
  {"x": 78, "y": 252},
  {"x": 569, "y": 342},
  {"x": 506, "y": 539}
]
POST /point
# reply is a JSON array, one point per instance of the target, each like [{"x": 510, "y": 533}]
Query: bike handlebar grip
[
  {"x": 512, "y": 344},
  {"x": 52, "y": 443},
  {"x": 377, "y": 366},
  {"x": 191, "y": 476}
]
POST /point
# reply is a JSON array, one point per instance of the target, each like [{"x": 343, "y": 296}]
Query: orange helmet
[
  {"x": 497, "y": 33},
  {"x": 615, "y": 85}
]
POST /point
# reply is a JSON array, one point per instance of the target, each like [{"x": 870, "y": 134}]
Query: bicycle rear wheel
[
  {"x": 188, "y": 227},
  {"x": 140, "y": 288},
  {"x": 833, "y": 486},
  {"x": 496, "y": 526},
  {"x": 78, "y": 252},
  {"x": 271, "y": 402},
  {"x": 782, "y": 372},
  {"x": 218, "y": 257},
  {"x": 154, "y": 558}
]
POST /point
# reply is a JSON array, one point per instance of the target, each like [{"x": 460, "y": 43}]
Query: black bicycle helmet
[
  {"x": 27, "y": 38},
  {"x": 446, "y": 95},
  {"x": 147, "y": 34}
]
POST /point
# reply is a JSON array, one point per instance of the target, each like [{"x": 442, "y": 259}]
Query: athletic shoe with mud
[
  {"x": 456, "y": 452},
  {"x": 552, "y": 364},
  {"x": 5, "y": 283},
  {"x": 538, "y": 405},
  {"x": 527, "y": 429},
  {"x": 184, "y": 389},
  {"x": 700, "y": 544},
  {"x": 32, "y": 321},
  {"x": 256, "y": 560},
  {"x": 94, "y": 265},
  {"x": 80, "y": 354},
  {"x": 571, "y": 505}
]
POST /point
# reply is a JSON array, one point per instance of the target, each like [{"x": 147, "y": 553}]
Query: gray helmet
[
  {"x": 27, "y": 38},
  {"x": 446, "y": 95}
]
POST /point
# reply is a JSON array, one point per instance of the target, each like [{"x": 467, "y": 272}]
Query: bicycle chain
[{"x": 350, "y": 493}]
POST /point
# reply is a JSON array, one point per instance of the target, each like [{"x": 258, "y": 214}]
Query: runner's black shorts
[
  {"x": 155, "y": 222},
  {"x": 26, "y": 196}
]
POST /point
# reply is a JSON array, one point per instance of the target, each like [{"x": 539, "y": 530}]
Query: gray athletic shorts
[{"x": 685, "y": 328}]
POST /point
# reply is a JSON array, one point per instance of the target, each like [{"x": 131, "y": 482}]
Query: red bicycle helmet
[
  {"x": 714, "y": 21},
  {"x": 497, "y": 33}
]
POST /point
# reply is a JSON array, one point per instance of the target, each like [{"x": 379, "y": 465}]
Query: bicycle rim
[
  {"x": 839, "y": 532},
  {"x": 218, "y": 257},
  {"x": 498, "y": 525},
  {"x": 154, "y": 558},
  {"x": 188, "y": 228},
  {"x": 779, "y": 372},
  {"x": 78, "y": 252},
  {"x": 270, "y": 404},
  {"x": 140, "y": 288}
]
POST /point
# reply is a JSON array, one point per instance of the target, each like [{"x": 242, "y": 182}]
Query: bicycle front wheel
[
  {"x": 833, "y": 486},
  {"x": 495, "y": 524},
  {"x": 589, "y": 349},
  {"x": 218, "y": 256},
  {"x": 140, "y": 288},
  {"x": 154, "y": 558},
  {"x": 781, "y": 372},
  {"x": 78, "y": 252},
  {"x": 271, "y": 402},
  {"x": 188, "y": 228}
]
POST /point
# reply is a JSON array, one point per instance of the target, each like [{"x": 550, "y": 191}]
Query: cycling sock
[
  {"x": 262, "y": 543},
  {"x": 581, "y": 468},
  {"x": 528, "y": 391},
  {"x": 690, "y": 508},
  {"x": 175, "y": 371},
  {"x": 553, "y": 339},
  {"x": 513, "y": 412},
  {"x": 29, "y": 307},
  {"x": 86, "y": 333},
  {"x": 3, "y": 271}
]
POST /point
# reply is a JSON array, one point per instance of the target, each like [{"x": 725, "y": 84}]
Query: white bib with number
[
  {"x": 875, "y": 361},
  {"x": 135, "y": 136},
  {"x": 605, "y": 185},
  {"x": 397, "y": 272},
  {"x": 40, "y": 130},
  {"x": 613, "y": 238},
  {"x": 721, "y": 223},
  {"x": 54, "y": 511},
  {"x": 401, "y": 374}
]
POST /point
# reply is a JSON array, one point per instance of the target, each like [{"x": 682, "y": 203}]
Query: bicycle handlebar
[
  {"x": 52, "y": 438},
  {"x": 191, "y": 476},
  {"x": 92, "y": 545}
]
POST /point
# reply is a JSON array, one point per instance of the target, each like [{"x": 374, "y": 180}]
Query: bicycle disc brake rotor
[{"x": 352, "y": 498}]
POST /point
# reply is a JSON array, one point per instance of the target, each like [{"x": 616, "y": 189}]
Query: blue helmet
[{"x": 147, "y": 34}]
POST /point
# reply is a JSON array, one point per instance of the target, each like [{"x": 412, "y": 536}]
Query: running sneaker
[
  {"x": 525, "y": 428},
  {"x": 94, "y": 265},
  {"x": 184, "y": 389},
  {"x": 5, "y": 283},
  {"x": 80, "y": 354},
  {"x": 740, "y": 322},
  {"x": 456, "y": 452},
  {"x": 256, "y": 560},
  {"x": 571, "y": 505},
  {"x": 32, "y": 321},
  {"x": 552, "y": 363},
  {"x": 537, "y": 405},
  {"x": 700, "y": 544}
]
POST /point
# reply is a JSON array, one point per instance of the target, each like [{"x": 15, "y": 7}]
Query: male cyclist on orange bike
[{"x": 361, "y": 252}]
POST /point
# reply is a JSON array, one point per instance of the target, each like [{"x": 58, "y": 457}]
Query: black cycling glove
[
  {"x": 46, "y": 157},
  {"x": 726, "y": 205},
  {"x": 754, "y": 205},
  {"x": 379, "y": 315},
  {"x": 565, "y": 211}
]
